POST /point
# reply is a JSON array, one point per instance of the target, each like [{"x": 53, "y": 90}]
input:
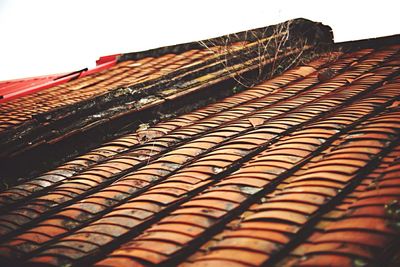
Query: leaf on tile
[
  {"x": 395, "y": 104},
  {"x": 246, "y": 214},
  {"x": 304, "y": 70},
  {"x": 135, "y": 64},
  {"x": 143, "y": 126},
  {"x": 353, "y": 63},
  {"x": 145, "y": 136},
  {"x": 256, "y": 121},
  {"x": 364, "y": 76},
  {"x": 326, "y": 74}
]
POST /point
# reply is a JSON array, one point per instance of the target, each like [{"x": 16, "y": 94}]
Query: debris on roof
[
  {"x": 142, "y": 85},
  {"x": 296, "y": 163}
]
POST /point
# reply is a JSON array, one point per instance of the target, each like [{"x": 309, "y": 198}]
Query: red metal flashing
[
  {"x": 22, "y": 91},
  {"x": 10, "y": 86},
  {"x": 100, "y": 67},
  {"x": 13, "y": 89},
  {"x": 107, "y": 59}
]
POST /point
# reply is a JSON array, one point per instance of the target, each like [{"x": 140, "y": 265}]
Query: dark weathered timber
[
  {"x": 300, "y": 26},
  {"x": 299, "y": 29}
]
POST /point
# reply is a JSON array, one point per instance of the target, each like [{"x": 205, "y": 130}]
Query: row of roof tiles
[{"x": 16, "y": 112}]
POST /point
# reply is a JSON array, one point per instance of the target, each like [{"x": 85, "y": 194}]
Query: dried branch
[{"x": 266, "y": 48}]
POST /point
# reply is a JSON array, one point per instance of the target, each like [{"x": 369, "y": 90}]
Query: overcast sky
[{"x": 53, "y": 36}]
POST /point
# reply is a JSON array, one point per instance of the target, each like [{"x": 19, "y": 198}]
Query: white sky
[{"x": 40, "y": 37}]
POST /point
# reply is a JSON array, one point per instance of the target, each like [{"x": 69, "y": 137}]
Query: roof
[
  {"x": 13, "y": 89},
  {"x": 301, "y": 169},
  {"x": 14, "y": 86},
  {"x": 142, "y": 88}
]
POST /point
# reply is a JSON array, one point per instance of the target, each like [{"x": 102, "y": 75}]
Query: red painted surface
[
  {"x": 106, "y": 59},
  {"x": 13, "y": 89},
  {"x": 29, "y": 89},
  {"x": 100, "y": 67},
  {"x": 10, "y": 86}
]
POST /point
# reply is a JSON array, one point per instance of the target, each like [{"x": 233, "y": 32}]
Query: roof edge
[
  {"x": 369, "y": 42},
  {"x": 313, "y": 31}
]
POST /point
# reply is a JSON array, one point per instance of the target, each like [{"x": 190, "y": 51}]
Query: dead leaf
[
  {"x": 160, "y": 129},
  {"x": 256, "y": 121},
  {"x": 304, "y": 70},
  {"x": 395, "y": 104},
  {"x": 326, "y": 74},
  {"x": 364, "y": 75},
  {"x": 143, "y": 126},
  {"x": 145, "y": 136},
  {"x": 169, "y": 92},
  {"x": 246, "y": 214},
  {"x": 135, "y": 64},
  {"x": 353, "y": 63}
]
